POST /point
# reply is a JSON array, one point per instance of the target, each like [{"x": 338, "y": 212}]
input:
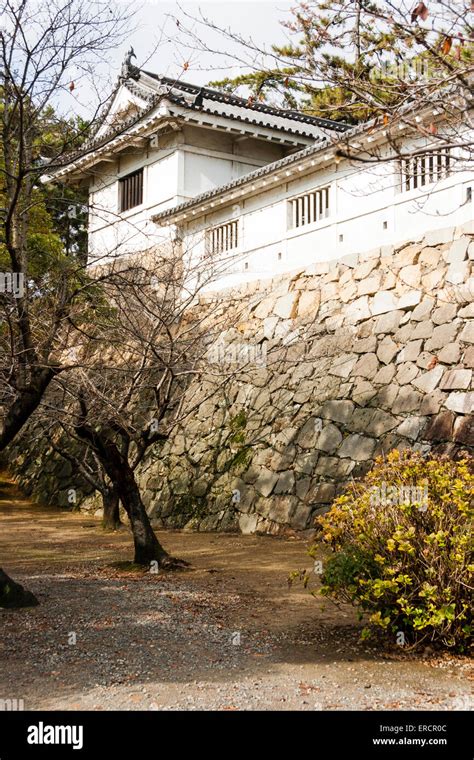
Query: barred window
[
  {"x": 309, "y": 208},
  {"x": 223, "y": 238},
  {"x": 425, "y": 169},
  {"x": 131, "y": 190}
]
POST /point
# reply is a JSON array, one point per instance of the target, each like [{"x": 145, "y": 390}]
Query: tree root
[{"x": 173, "y": 563}]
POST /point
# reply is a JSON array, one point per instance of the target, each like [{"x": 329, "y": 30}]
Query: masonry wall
[{"x": 326, "y": 370}]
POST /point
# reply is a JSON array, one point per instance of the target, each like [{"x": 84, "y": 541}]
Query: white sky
[{"x": 161, "y": 48}]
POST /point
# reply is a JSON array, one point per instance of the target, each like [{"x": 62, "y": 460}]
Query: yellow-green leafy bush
[{"x": 403, "y": 548}]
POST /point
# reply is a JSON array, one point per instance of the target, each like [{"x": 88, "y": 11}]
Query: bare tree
[
  {"x": 125, "y": 394},
  {"x": 87, "y": 464},
  {"x": 45, "y": 49}
]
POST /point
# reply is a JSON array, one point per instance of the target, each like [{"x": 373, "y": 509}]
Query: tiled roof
[
  {"x": 151, "y": 89},
  {"x": 208, "y": 94}
]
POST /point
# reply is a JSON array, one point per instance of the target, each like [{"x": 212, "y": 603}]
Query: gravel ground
[{"x": 226, "y": 635}]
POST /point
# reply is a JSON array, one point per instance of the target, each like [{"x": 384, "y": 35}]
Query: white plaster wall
[
  {"x": 363, "y": 198},
  {"x": 185, "y": 163}
]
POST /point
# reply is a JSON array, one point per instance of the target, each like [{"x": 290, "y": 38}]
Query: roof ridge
[{"x": 213, "y": 94}]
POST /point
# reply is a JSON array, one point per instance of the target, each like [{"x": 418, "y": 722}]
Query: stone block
[
  {"x": 387, "y": 349},
  {"x": 308, "y": 303},
  {"x": 462, "y": 403},
  {"x": 365, "y": 345},
  {"x": 248, "y": 523},
  {"x": 467, "y": 333},
  {"x": 407, "y": 400},
  {"x": 428, "y": 381},
  {"x": 457, "y": 272},
  {"x": 342, "y": 366},
  {"x": 286, "y": 306},
  {"x": 337, "y": 411},
  {"x": 367, "y": 366},
  {"x": 457, "y": 250},
  {"x": 464, "y": 430},
  {"x": 443, "y": 314},
  {"x": 329, "y": 439},
  {"x": 456, "y": 379},
  {"x": 450, "y": 354},
  {"x": 410, "y": 352},
  {"x": 281, "y": 508},
  {"x": 411, "y": 275},
  {"x": 406, "y": 373},
  {"x": 440, "y": 427},
  {"x": 410, "y": 299},
  {"x": 385, "y": 375},
  {"x": 441, "y": 336},
  {"x": 266, "y": 482},
  {"x": 381, "y": 423},
  {"x": 423, "y": 310},
  {"x": 432, "y": 402},
  {"x": 322, "y": 493},
  {"x": 388, "y": 323},
  {"x": 370, "y": 285},
  {"x": 285, "y": 482},
  {"x": 383, "y": 303},
  {"x": 301, "y": 516},
  {"x": 357, "y": 447},
  {"x": 438, "y": 237},
  {"x": 357, "y": 311},
  {"x": 363, "y": 392},
  {"x": 468, "y": 359},
  {"x": 411, "y": 427},
  {"x": 309, "y": 433}
]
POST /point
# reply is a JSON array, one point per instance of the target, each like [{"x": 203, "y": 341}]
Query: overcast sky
[{"x": 161, "y": 46}]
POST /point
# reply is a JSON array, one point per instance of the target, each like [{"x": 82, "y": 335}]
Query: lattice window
[
  {"x": 418, "y": 171},
  {"x": 131, "y": 190},
  {"x": 223, "y": 238},
  {"x": 309, "y": 208}
]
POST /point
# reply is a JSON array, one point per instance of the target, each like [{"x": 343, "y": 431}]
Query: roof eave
[{"x": 370, "y": 134}]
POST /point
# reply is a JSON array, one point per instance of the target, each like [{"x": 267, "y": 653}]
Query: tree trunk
[
  {"x": 25, "y": 404},
  {"x": 111, "y": 505},
  {"x": 13, "y": 595},
  {"x": 147, "y": 547}
]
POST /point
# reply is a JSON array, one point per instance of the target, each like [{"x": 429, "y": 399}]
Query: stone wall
[{"x": 328, "y": 368}]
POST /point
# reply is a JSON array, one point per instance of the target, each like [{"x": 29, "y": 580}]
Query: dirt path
[{"x": 229, "y": 634}]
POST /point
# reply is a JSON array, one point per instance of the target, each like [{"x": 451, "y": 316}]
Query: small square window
[
  {"x": 131, "y": 190},
  {"x": 341, "y": 238},
  {"x": 279, "y": 255},
  {"x": 246, "y": 265},
  {"x": 385, "y": 225},
  {"x": 468, "y": 194}
]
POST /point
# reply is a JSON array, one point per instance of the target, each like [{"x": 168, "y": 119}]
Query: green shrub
[{"x": 403, "y": 548}]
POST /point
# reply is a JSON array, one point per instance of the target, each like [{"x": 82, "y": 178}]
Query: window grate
[
  {"x": 223, "y": 238},
  {"x": 418, "y": 171},
  {"x": 310, "y": 207},
  {"x": 131, "y": 190}
]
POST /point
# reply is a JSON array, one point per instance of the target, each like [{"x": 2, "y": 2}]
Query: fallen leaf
[{"x": 446, "y": 46}]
